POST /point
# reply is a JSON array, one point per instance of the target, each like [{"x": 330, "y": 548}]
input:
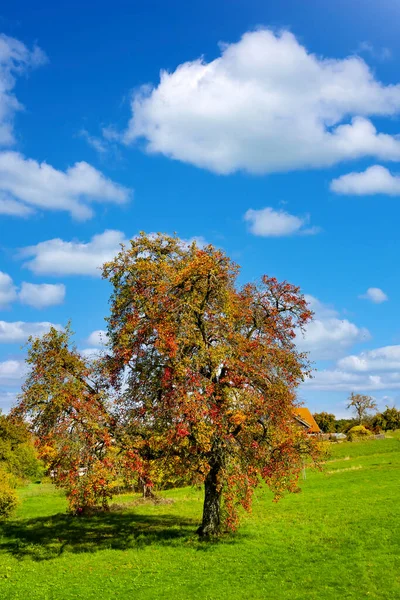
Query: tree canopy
[
  {"x": 326, "y": 421},
  {"x": 388, "y": 419},
  {"x": 198, "y": 381},
  {"x": 361, "y": 405}
]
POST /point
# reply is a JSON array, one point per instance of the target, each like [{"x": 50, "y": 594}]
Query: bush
[
  {"x": 357, "y": 432},
  {"x": 8, "y": 497},
  {"x": 17, "y": 452}
]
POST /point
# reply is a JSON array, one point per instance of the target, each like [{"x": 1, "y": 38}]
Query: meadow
[{"x": 338, "y": 538}]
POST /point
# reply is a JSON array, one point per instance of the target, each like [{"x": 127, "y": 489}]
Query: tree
[
  {"x": 344, "y": 425},
  {"x": 209, "y": 371},
  {"x": 18, "y": 461},
  {"x": 198, "y": 382},
  {"x": 388, "y": 419},
  {"x": 17, "y": 453},
  {"x": 361, "y": 405},
  {"x": 325, "y": 421},
  {"x": 68, "y": 410}
]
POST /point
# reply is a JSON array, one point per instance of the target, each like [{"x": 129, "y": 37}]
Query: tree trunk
[{"x": 211, "y": 524}]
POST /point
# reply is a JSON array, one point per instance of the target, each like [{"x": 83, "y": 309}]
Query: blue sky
[{"x": 271, "y": 132}]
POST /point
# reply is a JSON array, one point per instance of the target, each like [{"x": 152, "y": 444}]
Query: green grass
[{"x": 339, "y": 538}]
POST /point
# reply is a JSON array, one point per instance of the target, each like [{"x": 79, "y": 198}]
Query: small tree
[
  {"x": 325, "y": 421},
  {"x": 69, "y": 412},
  {"x": 361, "y": 405}
]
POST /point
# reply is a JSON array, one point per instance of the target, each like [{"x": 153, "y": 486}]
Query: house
[{"x": 303, "y": 416}]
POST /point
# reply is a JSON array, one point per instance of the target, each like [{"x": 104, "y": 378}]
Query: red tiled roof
[{"x": 307, "y": 418}]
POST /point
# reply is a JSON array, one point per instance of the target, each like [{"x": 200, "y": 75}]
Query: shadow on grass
[{"x": 44, "y": 538}]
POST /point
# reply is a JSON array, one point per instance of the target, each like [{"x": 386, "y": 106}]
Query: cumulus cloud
[
  {"x": 265, "y": 104},
  {"x": 38, "y": 295},
  {"x": 375, "y": 295},
  {"x": 13, "y": 208},
  {"x": 19, "y": 331},
  {"x": 98, "y": 338},
  {"x": 29, "y": 185},
  {"x": 15, "y": 59},
  {"x": 343, "y": 381},
  {"x": 12, "y": 372},
  {"x": 58, "y": 257},
  {"x": 328, "y": 336},
  {"x": 41, "y": 295},
  {"x": 386, "y": 358},
  {"x": 374, "y": 180},
  {"x": 8, "y": 291},
  {"x": 368, "y": 371},
  {"x": 268, "y": 222},
  {"x": 7, "y": 400}
]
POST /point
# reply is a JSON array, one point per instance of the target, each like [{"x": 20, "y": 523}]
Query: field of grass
[{"x": 338, "y": 538}]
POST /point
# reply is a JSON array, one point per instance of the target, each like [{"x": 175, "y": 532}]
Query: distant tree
[
  {"x": 344, "y": 425},
  {"x": 326, "y": 421},
  {"x": 388, "y": 419},
  {"x": 198, "y": 382},
  {"x": 361, "y": 405}
]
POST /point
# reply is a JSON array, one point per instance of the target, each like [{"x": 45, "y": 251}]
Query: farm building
[{"x": 306, "y": 420}]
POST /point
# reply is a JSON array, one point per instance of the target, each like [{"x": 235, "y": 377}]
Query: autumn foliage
[{"x": 198, "y": 382}]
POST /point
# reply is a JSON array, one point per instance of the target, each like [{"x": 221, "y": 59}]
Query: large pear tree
[{"x": 198, "y": 381}]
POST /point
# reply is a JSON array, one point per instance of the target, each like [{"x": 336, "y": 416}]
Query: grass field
[{"x": 339, "y": 538}]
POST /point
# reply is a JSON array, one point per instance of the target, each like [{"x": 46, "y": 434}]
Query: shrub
[
  {"x": 8, "y": 497},
  {"x": 359, "y": 431},
  {"x": 17, "y": 453}
]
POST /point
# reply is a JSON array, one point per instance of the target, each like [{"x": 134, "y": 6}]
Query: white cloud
[
  {"x": 41, "y": 295},
  {"x": 91, "y": 353},
  {"x": 374, "y": 180},
  {"x": 376, "y": 295},
  {"x": 328, "y": 336},
  {"x": 57, "y": 257},
  {"x": 15, "y": 59},
  {"x": 19, "y": 331},
  {"x": 199, "y": 239},
  {"x": 97, "y": 338},
  {"x": 36, "y": 295},
  {"x": 343, "y": 381},
  {"x": 27, "y": 185},
  {"x": 11, "y": 207},
  {"x": 35, "y": 185},
  {"x": 386, "y": 358},
  {"x": 7, "y": 400},
  {"x": 95, "y": 142},
  {"x": 12, "y": 372},
  {"x": 268, "y": 222},
  {"x": 265, "y": 105},
  {"x": 8, "y": 292},
  {"x": 368, "y": 371}
]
